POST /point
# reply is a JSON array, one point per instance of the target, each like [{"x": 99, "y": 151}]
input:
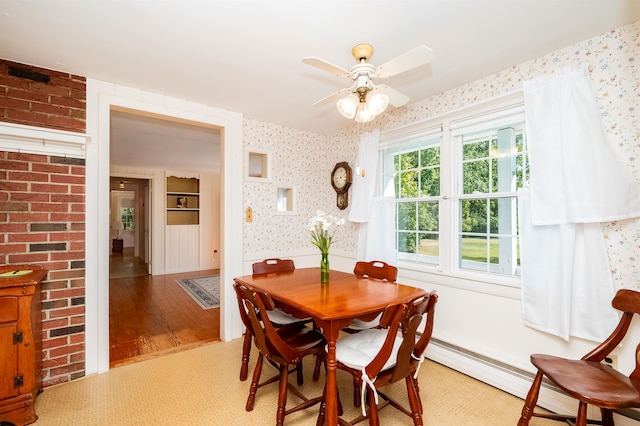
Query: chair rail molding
[{"x": 41, "y": 140}]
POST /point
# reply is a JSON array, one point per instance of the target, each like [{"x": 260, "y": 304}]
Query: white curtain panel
[
  {"x": 576, "y": 182},
  {"x": 377, "y": 238},
  {"x": 365, "y": 176}
]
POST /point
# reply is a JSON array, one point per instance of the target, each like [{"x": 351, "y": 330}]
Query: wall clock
[{"x": 341, "y": 181}]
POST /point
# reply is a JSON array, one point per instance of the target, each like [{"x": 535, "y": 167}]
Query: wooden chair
[
  {"x": 278, "y": 317},
  {"x": 378, "y": 270},
  {"x": 282, "y": 347},
  {"x": 588, "y": 380},
  {"x": 378, "y": 357}
]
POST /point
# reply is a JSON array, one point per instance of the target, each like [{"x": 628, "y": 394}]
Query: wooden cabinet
[
  {"x": 183, "y": 201},
  {"x": 20, "y": 342}
]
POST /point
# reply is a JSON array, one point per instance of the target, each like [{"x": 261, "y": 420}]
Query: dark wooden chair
[
  {"x": 278, "y": 317},
  {"x": 378, "y": 270},
  {"x": 395, "y": 357},
  {"x": 282, "y": 347},
  {"x": 587, "y": 379}
]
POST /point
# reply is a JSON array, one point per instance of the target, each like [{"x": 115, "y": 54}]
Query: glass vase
[{"x": 324, "y": 268}]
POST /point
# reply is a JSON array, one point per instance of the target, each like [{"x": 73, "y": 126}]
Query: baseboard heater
[{"x": 513, "y": 380}]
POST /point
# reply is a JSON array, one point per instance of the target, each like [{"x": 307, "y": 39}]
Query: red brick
[
  {"x": 49, "y": 168},
  {"x": 70, "y": 217},
  {"x": 51, "y": 89},
  {"x": 79, "y": 170},
  {"x": 13, "y": 165},
  {"x": 67, "y": 123},
  {"x": 63, "y": 294},
  {"x": 28, "y": 258},
  {"x": 79, "y": 320},
  {"x": 65, "y": 350},
  {"x": 13, "y": 186},
  {"x": 67, "y": 198},
  {"x": 49, "y": 207},
  {"x": 68, "y": 102},
  {"x": 41, "y": 187},
  {"x": 28, "y": 176},
  {"x": 67, "y": 255},
  {"x": 78, "y": 180},
  {"x": 77, "y": 246},
  {"x": 29, "y": 196},
  {"x": 28, "y": 217},
  {"x": 67, "y": 369},
  {"x": 59, "y": 275},
  {"x": 55, "y": 342},
  {"x": 22, "y": 156},
  {"x": 30, "y": 237},
  {"x": 12, "y": 103},
  {"x": 28, "y": 95},
  {"x": 78, "y": 208},
  {"x": 13, "y": 248},
  {"x": 12, "y": 227},
  {"x": 13, "y": 206},
  {"x": 55, "y": 362}
]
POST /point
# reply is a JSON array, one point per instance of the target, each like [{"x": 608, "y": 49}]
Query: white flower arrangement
[{"x": 323, "y": 227}]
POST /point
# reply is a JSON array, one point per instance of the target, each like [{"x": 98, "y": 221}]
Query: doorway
[
  {"x": 102, "y": 98},
  {"x": 149, "y": 314}
]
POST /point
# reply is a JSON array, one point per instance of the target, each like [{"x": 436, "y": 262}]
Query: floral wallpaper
[{"x": 305, "y": 160}]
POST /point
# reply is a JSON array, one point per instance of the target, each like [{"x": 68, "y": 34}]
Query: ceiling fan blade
[
  {"x": 326, "y": 66},
  {"x": 414, "y": 58},
  {"x": 396, "y": 98},
  {"x": 340, "y": 93}
]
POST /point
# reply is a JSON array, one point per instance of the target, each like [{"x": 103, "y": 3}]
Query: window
[
  {"x": 127, "y": 218},
  {"x": 493, "y": 165},
  {"x": 411, "y": 171},
  {"x": 455, "y": 181}
]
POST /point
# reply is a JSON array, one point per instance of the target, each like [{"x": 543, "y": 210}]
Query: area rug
[{"x": 204, "y": 290}]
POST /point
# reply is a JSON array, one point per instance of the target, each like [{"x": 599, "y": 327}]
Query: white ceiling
[{"x": 245, "y": 55}]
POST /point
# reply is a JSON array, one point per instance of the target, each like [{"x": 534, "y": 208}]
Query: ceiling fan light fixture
[
  {"x": 378, "y": 102},
  {"x": 348, "y": 105},
  {"x": 364, "y": 114}
]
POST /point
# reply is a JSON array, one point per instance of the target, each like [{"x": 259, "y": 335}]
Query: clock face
[{"x": 340, "y": 177}]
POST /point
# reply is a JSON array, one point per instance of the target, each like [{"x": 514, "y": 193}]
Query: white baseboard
[{"x": 509, "y": 379}]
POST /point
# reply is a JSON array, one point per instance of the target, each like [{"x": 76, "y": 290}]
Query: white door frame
[{"x": 102, "y": 97}]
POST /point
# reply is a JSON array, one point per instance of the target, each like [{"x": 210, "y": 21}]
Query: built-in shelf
[{"x": 183, "y": 201}]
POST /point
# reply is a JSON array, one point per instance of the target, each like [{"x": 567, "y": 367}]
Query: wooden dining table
[{"x": 332, "y": 306}]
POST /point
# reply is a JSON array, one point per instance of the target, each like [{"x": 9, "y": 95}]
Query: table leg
[{"x": 331, "y": 330}]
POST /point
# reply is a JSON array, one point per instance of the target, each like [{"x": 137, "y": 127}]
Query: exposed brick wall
[
  {"x": 42, "y": 210},
  {"x": 41, "y": 97},
  {"x": 42, "y": 219}
]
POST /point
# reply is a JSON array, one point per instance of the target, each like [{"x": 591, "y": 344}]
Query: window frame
[{"x": 447, "y": 271}]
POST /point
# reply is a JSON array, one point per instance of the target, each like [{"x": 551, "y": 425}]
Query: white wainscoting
[{"x": 182, "y": 248}]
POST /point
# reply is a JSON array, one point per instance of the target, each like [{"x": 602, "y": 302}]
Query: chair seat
[
  {"x": 301, "y": 338},
  {"x": 358, "y": 350},
  {"x": 358, "y": 324},
  {"x": 280, "y": 317},
  {"x": 590, "y": 381}
]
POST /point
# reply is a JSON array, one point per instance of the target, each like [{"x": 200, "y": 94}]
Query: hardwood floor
[{"x": 150, "y": 315}]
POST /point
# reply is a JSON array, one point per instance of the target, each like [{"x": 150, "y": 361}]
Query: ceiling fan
[{"x": 364, "y": 99}]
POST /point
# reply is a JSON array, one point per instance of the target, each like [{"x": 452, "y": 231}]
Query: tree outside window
[{"x": 127, "y": 217}]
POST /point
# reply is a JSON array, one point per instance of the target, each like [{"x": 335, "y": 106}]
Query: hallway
[{"x": 150, "y": 316}]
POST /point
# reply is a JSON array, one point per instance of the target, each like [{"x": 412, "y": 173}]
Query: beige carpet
[{"x": 201, "y": 387}]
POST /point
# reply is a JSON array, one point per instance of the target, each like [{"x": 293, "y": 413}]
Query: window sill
[{"x": 477, "y": 282}]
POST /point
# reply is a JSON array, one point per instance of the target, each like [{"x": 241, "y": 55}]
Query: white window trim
[{"x": 447, "y": 272}]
